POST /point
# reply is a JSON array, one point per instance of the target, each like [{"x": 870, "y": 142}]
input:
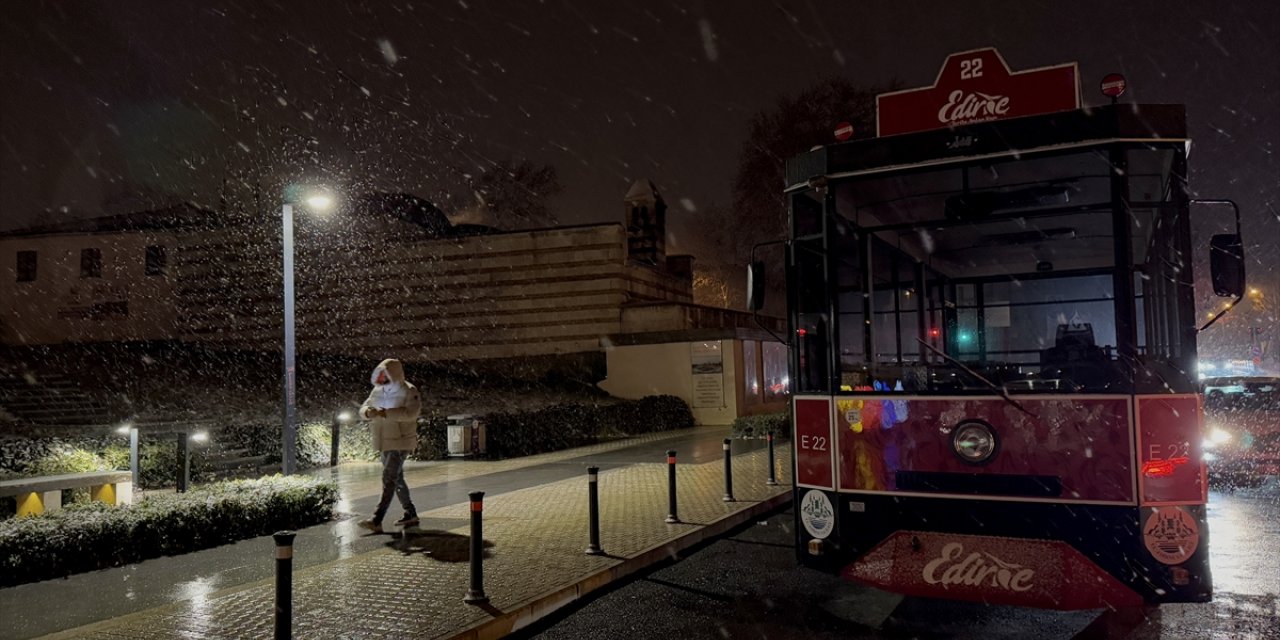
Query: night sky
[{"x": 105, "y": 100}]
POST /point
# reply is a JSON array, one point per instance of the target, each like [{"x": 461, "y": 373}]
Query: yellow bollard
[
  {"x": 104, "y": 493},
  {"x": 30, "y": 504}
]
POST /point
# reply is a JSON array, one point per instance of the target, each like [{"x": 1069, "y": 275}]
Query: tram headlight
[{"x": 974, "y": 441}]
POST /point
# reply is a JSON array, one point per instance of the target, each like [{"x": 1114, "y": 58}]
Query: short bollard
[
  {"x": 593, "y": 511},
  {"x": 728, "y": 472},
  {"x": 672, "y": 518},
  {"x": 475, "y": 595},
  {"x": 773, "y": 474},
  {"x": 284, "y": 584}
]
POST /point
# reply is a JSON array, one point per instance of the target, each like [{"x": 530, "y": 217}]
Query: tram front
[{"x": 993, "y": 345}]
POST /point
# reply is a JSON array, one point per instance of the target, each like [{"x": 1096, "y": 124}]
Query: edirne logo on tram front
[
  {"x": 961, "y": 107},
  {"x": 976, "y": 570}
]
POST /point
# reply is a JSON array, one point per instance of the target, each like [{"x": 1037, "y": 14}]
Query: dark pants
[{"x": 393, "y": 483}]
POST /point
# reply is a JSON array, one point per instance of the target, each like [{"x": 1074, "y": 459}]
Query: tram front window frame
[{"x": 1009, "y": 266}]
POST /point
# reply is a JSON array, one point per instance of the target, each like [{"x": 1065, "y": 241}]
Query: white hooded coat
[{"x": 399, "y": 430}]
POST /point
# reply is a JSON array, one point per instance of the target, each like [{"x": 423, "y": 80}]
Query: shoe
[
  {"x": 370, "y": 524},
  {"x": 407, "y": 520}
]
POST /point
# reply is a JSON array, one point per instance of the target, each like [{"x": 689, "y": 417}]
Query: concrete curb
[{"x": 530, "y": 611}]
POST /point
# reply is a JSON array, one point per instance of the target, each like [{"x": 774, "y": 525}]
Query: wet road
[{"x": 747, "y": 585}]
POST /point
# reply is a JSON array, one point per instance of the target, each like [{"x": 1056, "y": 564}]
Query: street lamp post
[
  {"x": 288, "y": 453},
  {"x": 290, "y": 429},
  {"x": 129, "y": 429}
]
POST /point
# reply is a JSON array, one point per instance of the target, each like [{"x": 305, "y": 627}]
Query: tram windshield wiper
[{"x": 993, "y": 386}]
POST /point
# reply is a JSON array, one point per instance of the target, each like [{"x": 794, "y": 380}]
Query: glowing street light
[
  {"x": 340, "y": 418},
  {"x": 319, "y": 202}
]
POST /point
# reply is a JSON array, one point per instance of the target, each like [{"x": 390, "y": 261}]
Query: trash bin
[{"x": 466, "y": 435}]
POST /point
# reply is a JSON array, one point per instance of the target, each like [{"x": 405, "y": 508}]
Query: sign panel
[
  {"x": 813, "y": 444},
  {"x": 707, "y": 365},
  {"x": 1170, "y": 450},
  {"x": 977, "y": 86}
]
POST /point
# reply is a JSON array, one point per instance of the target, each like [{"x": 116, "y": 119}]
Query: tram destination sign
[{"x": 977, "y": 86}]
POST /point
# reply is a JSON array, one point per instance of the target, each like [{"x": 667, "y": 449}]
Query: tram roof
[{"x": 1064, "y": 130}]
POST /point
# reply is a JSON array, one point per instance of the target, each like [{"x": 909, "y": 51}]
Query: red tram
[{"x": 993, "y": 340}]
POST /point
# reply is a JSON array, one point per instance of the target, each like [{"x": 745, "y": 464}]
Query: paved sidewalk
[{"x": 412, "y": 585}]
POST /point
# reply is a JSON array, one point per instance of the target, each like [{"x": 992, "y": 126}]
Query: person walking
[{"x": 392, "y": 411}]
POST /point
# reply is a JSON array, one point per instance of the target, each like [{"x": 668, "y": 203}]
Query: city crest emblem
[{"x": 817, "y": 514}]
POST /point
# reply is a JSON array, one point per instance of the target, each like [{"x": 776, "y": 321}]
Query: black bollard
[
  {"x": 475, "y": 595},
  {"x": 184, "y": 461},
  {"x": 333, "y": 441},
  {"x": 773, "y": 477},
  {"x": 284, "y": 584},
  {"x": 593, "y": 511},
  {"x": 672, "y": 518},
  {"x": 728, "y": 472}
]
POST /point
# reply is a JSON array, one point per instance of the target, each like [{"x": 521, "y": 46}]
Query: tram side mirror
[
  {"x": 755, "y": 286},
  {"x": 1226, "y": 265}
]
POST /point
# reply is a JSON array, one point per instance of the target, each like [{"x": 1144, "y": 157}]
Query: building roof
[{"x": 181, "y": 216}]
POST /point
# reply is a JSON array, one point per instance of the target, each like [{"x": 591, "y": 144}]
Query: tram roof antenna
[{"x": 994, "y": 387}]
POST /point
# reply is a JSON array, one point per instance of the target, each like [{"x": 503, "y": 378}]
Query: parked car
[{"x": 1242, "y": 391}]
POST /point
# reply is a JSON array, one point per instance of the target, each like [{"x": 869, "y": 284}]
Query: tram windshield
[{"x": 1015, "y": 274}]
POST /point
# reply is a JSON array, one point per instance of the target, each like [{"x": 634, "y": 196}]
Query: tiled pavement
[
  {"x": 365, "y": 479},
  {"x": 536, "y": 537}
]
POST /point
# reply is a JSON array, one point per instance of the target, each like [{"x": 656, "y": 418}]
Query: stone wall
[
  {"x": 524, "y": 293},
  {"x": 122, "y": 302}
]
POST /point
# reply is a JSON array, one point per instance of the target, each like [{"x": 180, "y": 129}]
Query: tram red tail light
[{"x": 1162, "y": 468}]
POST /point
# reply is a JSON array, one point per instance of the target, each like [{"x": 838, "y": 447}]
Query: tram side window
[
  {"x": 813, "y": 330},
  {"x": 1161, "y": 271},
  {"x": 811, "y": 323}
]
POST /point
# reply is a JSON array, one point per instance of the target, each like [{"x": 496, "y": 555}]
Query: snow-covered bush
[{"x": 89, "y": 536}]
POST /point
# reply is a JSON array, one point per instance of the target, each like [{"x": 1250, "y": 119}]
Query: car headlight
[
  {"x": 1219, "y": 436},
  {"x": 974, "y": 441}
]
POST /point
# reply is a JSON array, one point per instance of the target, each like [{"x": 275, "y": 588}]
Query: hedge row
[
  {"x": 313, "y": 443},
  {"x": 758, "y": 426},
  {"x": 89, "y": 536},
  {"x": 31, "y": 457},
  {"x": 523, "y": 433},
  {"x": 510, "y": 434}
]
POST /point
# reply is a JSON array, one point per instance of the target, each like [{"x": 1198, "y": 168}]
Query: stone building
[{"x": 389, "y": 275}]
